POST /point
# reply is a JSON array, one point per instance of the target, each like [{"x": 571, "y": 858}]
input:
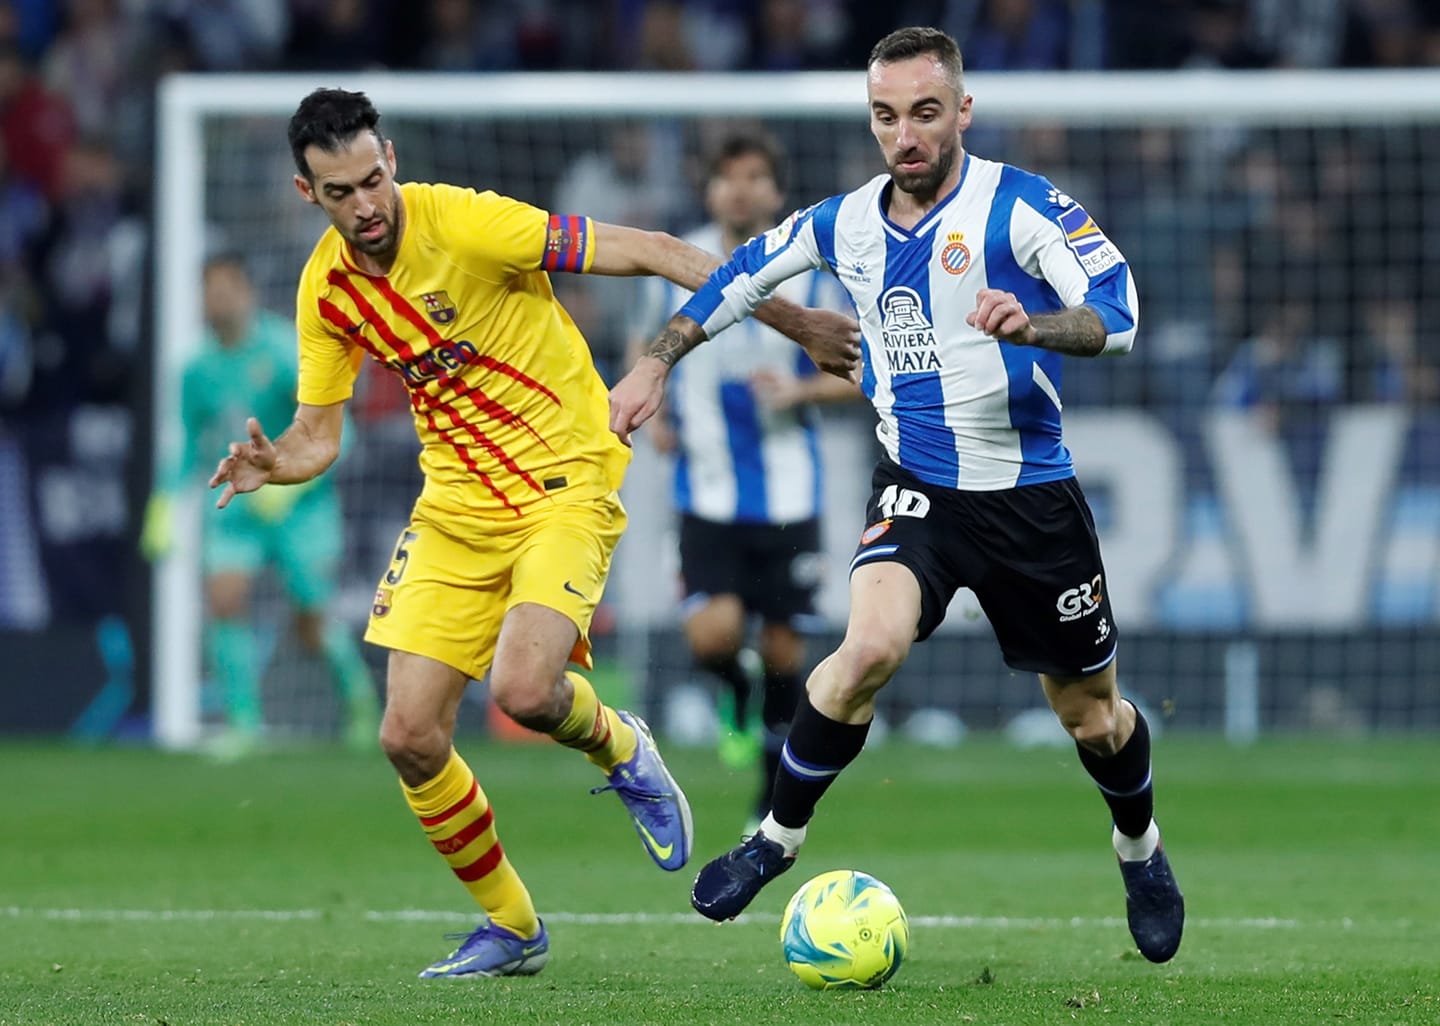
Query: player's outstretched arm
[
  {"x": 831, "y": 339},
  {"x": 305, "y": 450},
  {"x": 638, "y": 395}
]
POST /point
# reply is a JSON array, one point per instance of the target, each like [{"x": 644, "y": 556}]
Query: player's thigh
[
  {"x": 422, "y": 696},
  {"x": 233, "y": 545},
  {"x": 782, "y": 647},
  {"x": 1043, "y": 589},
  {"x": 563, "y": 560},
  {"x": 307, "y": 546},
  {"x": 714, "y": 625},
  {"x": 783, "y": 564},
  {"x": 442, "y": 597},
  {"x": 710, "y": 560},
  {"x": 913, "y": 525},
  {"x": 885, "y": 611},
  {"x": 227, "y": 594}
]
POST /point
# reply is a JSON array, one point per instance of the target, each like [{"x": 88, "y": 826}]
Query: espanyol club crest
[
  {"x": 439, "y": 307},
  {"x": 955, "y": 257}
]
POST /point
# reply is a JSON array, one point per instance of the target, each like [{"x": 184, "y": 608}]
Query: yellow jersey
[{"x": 511, "y": 413}]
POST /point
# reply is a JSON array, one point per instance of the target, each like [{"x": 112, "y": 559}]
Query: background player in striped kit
[
  {"x": 742, "y": 423},
  {"x": 971, "y": 279}
]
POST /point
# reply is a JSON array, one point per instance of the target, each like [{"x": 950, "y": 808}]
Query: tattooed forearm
[
  {"x": 1074, "y": 332},
  {"x": 679, "y": 337}
]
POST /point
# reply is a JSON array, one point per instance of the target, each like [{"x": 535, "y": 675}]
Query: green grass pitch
[{"x": 144, "y": 889}]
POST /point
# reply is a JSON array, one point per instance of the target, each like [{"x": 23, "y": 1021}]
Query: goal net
[{"x": 1264, "y": 467}]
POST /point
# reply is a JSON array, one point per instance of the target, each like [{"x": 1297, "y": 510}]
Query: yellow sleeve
[
  {"x": 498, "y": 237},
  {"x": 329, "y": 361}
]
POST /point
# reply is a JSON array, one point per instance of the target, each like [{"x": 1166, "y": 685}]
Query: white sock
[
  {"x": 789, "y": 838},
  {"x": 1133, "y": 849}
]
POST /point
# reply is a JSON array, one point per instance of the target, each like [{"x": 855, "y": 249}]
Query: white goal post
[{"x": 1313, "y": 100}]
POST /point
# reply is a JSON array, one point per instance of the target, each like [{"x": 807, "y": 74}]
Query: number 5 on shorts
[{"x": 401, "y": 558}]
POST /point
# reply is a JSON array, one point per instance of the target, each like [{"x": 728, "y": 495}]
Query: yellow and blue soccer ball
[{"x": 844, "y": 929}]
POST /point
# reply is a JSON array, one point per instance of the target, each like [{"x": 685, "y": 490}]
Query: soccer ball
[{"x": 844, "y": 929}]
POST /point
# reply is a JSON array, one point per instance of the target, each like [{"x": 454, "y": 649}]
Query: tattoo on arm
[
  {"x": 1077, "y": 331},
  {"x": 679, "y": 337}
]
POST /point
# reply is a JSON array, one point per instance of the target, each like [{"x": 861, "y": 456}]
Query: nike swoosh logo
[
  {"x": 664, "y": 851},
  {"x": 527, "y": 952},
  {"x": 571, "y": 589}
]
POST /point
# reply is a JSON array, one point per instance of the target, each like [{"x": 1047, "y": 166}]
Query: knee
[
  {"x": 1095, "y": 727},
  {"x": 418, "y": 750},
  {"x": 525, "y": 699},
  {"x": 714, "y": 646},
  {"x": 866, "y": 664}
]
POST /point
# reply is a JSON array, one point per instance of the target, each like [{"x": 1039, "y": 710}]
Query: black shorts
[
  {"x": 1030, "y": 555},
  {"x": 774, "y": 568}
]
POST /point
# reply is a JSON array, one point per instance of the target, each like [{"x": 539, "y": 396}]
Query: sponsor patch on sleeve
[
  {"x": 777, "y": 237},
  {"x": 1095, "y": 252}
]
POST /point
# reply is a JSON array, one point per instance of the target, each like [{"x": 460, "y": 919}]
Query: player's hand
[
  {"x": 637, "y": 396},
  {"x": 158, "y": 531},
  {"x": 999, "y": 314},
  {"x": 777, "y": 391},
  {"x": 832, "y": 341},
  {"x": 247, "y": 467}
]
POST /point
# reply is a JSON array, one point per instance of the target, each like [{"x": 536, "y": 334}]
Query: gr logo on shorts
[{"x": 1083, "y": 600}]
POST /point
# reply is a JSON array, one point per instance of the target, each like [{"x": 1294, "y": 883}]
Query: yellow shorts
[{"x": 453, "y": 579}]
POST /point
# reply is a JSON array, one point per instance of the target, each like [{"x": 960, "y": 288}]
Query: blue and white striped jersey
[
  {"x": 957, "y": 408},
  {"x": 737, "y": 461}
]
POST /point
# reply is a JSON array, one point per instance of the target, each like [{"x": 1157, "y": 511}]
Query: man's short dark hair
[
  {"x": 743, "y": 143},
  {"x": 902, "y": 44},
  {"x": 329, "y": 119},
  {"x": 228, "y": 258}
]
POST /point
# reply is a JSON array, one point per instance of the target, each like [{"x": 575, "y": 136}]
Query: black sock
[
  {"x": 729, "y": 670},
  {"x": 1124, "y": 780},
  {"x": 782, "y": 692},
  {"x": 817, "y": 749}
]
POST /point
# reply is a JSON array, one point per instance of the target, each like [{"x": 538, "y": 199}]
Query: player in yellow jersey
[{"x": 509, "y": 544}]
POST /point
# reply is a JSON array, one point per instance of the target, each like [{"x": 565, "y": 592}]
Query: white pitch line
[{"x": 420, "y": 915}]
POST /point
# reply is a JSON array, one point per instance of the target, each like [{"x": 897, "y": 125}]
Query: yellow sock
[
  {"x": 593, "y": 728},
  {"x": 459, "y": 822}
]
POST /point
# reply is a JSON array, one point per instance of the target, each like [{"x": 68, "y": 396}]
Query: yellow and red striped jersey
[{"x": 508, "y": 406}]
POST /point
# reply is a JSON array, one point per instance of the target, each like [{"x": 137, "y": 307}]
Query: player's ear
[
  {"x": 306, "y": 190},
  {"x": 390, "y": 156}
]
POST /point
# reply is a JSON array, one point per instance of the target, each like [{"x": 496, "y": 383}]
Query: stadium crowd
[{"x": 1307, "y": 288}]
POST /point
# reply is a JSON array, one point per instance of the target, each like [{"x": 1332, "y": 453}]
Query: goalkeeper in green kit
[{"x": 247, "y": 367}]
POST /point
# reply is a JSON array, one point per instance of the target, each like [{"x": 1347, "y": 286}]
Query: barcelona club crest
[{"x": 439, "y": 307}]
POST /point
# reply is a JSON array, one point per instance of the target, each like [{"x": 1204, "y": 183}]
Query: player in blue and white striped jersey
[
  {"x": 971, "y": 279},
  {"x": 742, "y": 422}
]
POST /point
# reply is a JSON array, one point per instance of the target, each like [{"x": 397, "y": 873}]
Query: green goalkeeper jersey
[{"x": 223, "y": 385}]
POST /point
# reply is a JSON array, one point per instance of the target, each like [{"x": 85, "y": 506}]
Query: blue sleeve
[{"x": 740, "y": 285}]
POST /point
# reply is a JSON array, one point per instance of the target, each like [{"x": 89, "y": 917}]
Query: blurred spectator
[
  {"x": 334, "y": 35},
  {"x": 87, "y": 62},
  {"x": 794, "y": 35},
  {"x": 461, "y": 38},
  {"x": 1018, "y": 35},
  {"x": 231, "y": 35},
  {"x": 633, "y": 181},
  {"x": 1392, "y": 366},
  {"x": 1220, "y": 37},
  {"x": 36, "y": 125},
  {"x": 90, "y": 261},
  {"x": 663, "y": 44}
]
